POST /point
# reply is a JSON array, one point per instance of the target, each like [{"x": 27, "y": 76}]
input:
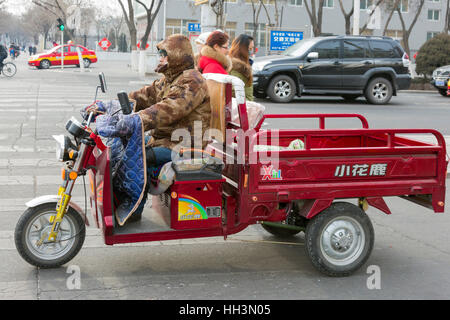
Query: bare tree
[
  {"x": 256, "y": 10},
  {"x": 59, "y": 9},
  {"x": 407, "y": 30},
  {"x": 390, "y": 7},
  {"x": 347, "y": 16},
  {"x": 129, "y": 20},
  {"x": 150, "y": 19},
  {"x": 315, "y": 15},
  {"x": 218, "y": 7}
]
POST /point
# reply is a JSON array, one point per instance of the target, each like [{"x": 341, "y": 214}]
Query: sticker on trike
[
  {"x": 190, "y": 209},
  {"x": 361, "y": 170}
]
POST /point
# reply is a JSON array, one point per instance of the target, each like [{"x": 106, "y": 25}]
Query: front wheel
[
  {"x": 339, "y": 240},
  {"x": 9, "y": 69},
  {"x": 282, "y": 89},
  {"x": 35, "y": 225}
]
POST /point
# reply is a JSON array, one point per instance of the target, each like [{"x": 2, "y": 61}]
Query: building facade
[{"x": 175, "y": 15}]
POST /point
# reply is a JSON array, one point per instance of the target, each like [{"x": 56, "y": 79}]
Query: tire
[
  {"x": 9, "y": 69},
  {"x": 56, "y": 255},
  {"x": 45, "y": 64},
  {"x": 86, "y": 62},
  {"x": 379, "y": 91},
  {"x": 443, "y": 92},
  {"x": 339, "y": 240},
  {"x": 282, "y": 89}
]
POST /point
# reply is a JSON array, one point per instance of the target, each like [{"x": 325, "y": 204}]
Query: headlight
[
  {"x": 258, "y": 66},
  {"x": 64, "y": 147},
  {"x": 60, "y": 147}
]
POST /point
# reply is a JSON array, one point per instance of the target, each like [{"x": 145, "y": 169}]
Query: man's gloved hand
[{"x": 96, "y": 108}]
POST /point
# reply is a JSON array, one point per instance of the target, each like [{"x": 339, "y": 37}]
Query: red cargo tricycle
[{"x": 285, "y": 190}]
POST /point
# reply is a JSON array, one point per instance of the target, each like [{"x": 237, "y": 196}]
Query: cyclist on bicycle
[{"x": 3, "y": 55}]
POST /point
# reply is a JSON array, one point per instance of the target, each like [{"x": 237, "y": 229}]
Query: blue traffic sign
[
  {"x": 194, "y": 27},
  {"x": 281, "y": 40}
]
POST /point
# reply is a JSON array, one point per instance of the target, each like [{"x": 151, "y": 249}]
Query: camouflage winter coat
[{"x": 179, "y": 100}]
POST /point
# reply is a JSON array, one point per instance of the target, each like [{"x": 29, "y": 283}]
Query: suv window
[
  {"x": 328, "y": 49},
  {"x": 383, "y": 49},
  {"x": 356, "y": 49}
]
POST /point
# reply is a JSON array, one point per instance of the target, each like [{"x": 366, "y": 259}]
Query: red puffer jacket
[{"x": 212, "y": 61}]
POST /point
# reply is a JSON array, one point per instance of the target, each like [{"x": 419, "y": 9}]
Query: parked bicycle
[{"x": 9, "y": 69}]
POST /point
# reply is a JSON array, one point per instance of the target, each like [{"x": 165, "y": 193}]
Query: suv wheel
[
  {"x": 281, "y": 89},
  {"x": 443, "y": 92},
  {"x": 379, "y": 91}
]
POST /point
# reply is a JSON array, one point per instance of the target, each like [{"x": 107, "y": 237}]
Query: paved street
[{"x": 412, "y": 249}]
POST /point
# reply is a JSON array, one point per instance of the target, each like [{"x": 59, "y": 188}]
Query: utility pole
[{"x": 356, "y": 11}]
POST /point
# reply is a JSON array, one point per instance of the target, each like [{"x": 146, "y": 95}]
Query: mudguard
[{"x": 55, "y": 198}]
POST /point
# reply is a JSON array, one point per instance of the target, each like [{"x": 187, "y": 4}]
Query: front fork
[{"x": 65, "y": 192}]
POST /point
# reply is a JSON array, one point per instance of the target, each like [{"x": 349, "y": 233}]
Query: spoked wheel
[
  {"x": 9, "y": 69},
  {"x": 340, "y": 239},
  {"x": 34, "y": 226},
  {"x": 86, "y": 62},
  {"x": 282, "y": 89}
]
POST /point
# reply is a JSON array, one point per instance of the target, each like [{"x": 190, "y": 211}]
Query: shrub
[{"x": 433, "y": 54}]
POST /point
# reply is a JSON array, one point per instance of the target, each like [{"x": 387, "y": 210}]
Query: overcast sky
[{"x": 20, "y": 6}]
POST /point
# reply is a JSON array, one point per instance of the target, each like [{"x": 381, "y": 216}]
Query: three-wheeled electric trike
[{"x": 286, "y": 190}]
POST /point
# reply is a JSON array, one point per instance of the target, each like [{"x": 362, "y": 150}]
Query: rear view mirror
[
  {"x": 312, "y": 56},
  {"x": 101, "y": 76}
]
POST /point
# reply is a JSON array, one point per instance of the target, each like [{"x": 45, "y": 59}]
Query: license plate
[{"x": 440, "y": 83}]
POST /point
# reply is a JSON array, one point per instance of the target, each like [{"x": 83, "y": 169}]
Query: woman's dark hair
[
  {"x": 217, "y": 37},
  {"x": 239, "y": 47}
]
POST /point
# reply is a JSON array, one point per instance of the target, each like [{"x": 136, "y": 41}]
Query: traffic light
[{"x": 60, "y": 24}]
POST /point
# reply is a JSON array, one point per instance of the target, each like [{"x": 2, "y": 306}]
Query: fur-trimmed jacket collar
[
  {"x": 224, "y": 60},
  {"x": 243, "y": 68}
]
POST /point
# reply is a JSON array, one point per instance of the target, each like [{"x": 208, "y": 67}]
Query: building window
[
  {"x": 328, "y": 4},
  {"x": 297, "y": 3},
  {"x": 435, "y": 1},
  {"x": 260, "y": 39},
  {"x": 434, "y": 15},
  {"x": 365, "y": 4},
  {"x": 230, "y": 29},
  {"x": 403, "y": 6},
  {"x": 431, "y": 34},
  {"x": 174, "y": 26}
]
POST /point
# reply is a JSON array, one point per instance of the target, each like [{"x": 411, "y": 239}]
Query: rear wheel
[
  {"x": 282, "y": 89},
  {"x": 379, "y": 91},
  {"x": 339, "y": 240},
  {"x": 34, "y": 225}
]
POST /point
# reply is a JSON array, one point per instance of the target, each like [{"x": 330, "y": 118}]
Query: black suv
[{"x": 347, "y": 66}]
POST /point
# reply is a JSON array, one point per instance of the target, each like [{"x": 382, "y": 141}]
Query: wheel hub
[
  {"x": 282, "y": 89},
  {"x": 342, "y": 241}
]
